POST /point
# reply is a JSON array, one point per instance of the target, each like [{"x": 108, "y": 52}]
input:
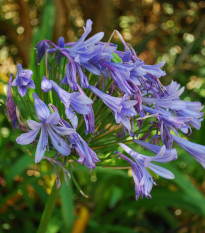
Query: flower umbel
[{"x": 86, "y": 82}]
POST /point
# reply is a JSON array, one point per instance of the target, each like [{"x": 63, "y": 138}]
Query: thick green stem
[{"x": 48, "y": 210}]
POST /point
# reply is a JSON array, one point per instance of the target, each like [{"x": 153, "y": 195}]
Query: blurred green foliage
[{"x": 171, "y": 30}]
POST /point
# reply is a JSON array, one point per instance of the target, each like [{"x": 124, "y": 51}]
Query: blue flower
[
  {"x": 11, "y": 105},
  {"x": 42, "y": 46},
  {"x": 171, "y": 154},
  {"x": 61, "y": 44},
  {"x": 194, "y": 149},
  {"x": 143, "y": 180},
  {"x": 121, "y": 107},
  {"x": 120, "y": 73},
  {"x": 169, "y": 99},
  {"x": 82, "y": 53},
  {"x": 72, "y": 101},
  {"x": 189, "y": 109},
  {"x": 88, "y": 118},
  {"x": 168, "y": 118},
  {"x": 86, "y": 155},
  {"x": 89, "y": 54},
  {"x": 47, "y": 125},
  {"x": 22, "y": 80},
  {"x": 46, "y": 85}
]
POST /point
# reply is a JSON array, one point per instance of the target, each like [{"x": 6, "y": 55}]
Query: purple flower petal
[
  {"x": 46, "y": 85},
  {"x": 22, "y": 90},
  {"x": 27, "y": 138},
  {"x": 143, "y": 180},
  {"x": 94, "y": 39},
  {"x": 42, "y": 144},
  {"x": 53, "y": 119},
  {"x": 31, "y": 84},
  {"x": 194, "y": 149},
  {"x": 87, "y": 30},
  {"x": 42, "y": 110},
  {"x": 163, "y": 172},
  {"x": 34, "y": 125},
  {"x": 71, "y": 115},
  {"x": 63, "y": 130},
  {"x": 59, "y": 143}
]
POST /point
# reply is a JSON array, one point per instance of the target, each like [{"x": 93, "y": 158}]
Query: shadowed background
[{"x": 158, "y": 30}]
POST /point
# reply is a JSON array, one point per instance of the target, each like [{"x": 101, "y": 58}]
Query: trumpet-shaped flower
[
  {"x": 171, "y": 154},
  {"x": 143, "y": 180},
  {"x": 23, "y": 80},
  {"x": 121, "y": 107},
  {"x": 72, "y": 101},
  {"x": 194, "y": 149},
  {"x": 48, "y": 127},
  {"x": 168, "y": 118},
  {"x": 87, "y": 156},
  {"x": 88, "y": 118}
]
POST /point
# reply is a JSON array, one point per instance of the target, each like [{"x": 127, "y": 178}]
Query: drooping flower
[
  {"x": 169, "y": 119},
  {"x": 121, "y": 107},
  {"x": 142, "y": 178},
  {"x": 169, "y": 99},
  {"x": 189, "y": 109},
  {"x": 194, "y": 149},
  {"x": 48, "y": 127},
  {"x": 11, "y": 107},
  {"x": 73, "y": 102},
  {"x": 171, "y": 154},
  {"x": 23, "y": 80},
  {"x": 88, "y": 118},
  {"x": 120, "y": 74},
  {"x": 86, "y": 155}
]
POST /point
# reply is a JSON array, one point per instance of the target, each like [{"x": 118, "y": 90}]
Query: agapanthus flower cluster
[{"x": 90, "y": 96}]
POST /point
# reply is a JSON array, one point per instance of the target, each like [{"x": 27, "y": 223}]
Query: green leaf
[
  {"x": 21, "y": 164},
  {"x": 110, "y": 228},
  {"x": 116, "y": 195},
  {"x": 67, "y": 208}
]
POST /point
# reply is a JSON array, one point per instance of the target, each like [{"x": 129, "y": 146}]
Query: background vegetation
[{"x": 158, "y": 30}]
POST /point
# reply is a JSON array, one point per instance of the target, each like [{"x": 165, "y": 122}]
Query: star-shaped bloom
[
  {"x": 87, "y": 156},
  {"x": 143, "y": 180},
  {"x": 48, "y": 127},
  {"x": 23, "y": 80}
]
